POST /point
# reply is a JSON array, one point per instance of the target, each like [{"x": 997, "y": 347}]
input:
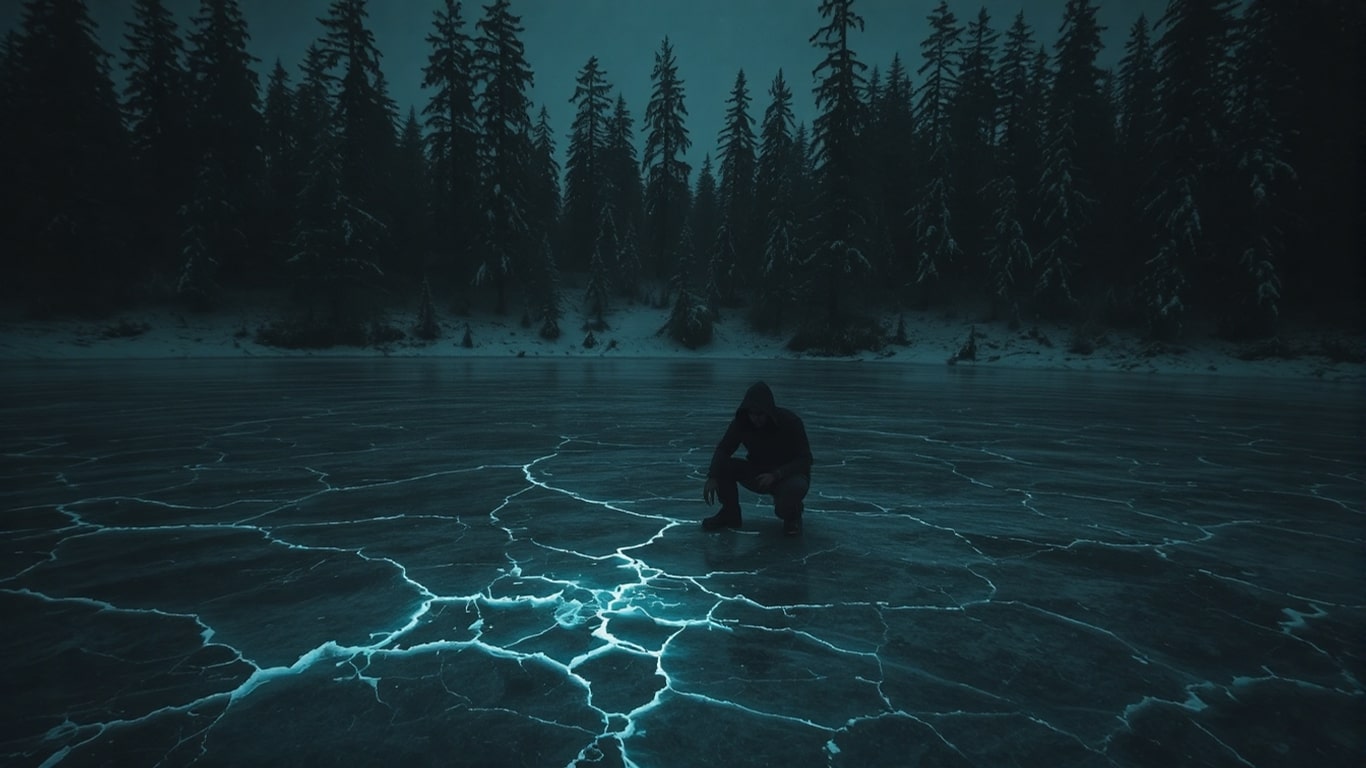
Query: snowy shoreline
[{"x": 934, "y": 338}]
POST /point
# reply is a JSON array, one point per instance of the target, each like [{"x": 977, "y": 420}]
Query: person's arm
[{"x": 725, "y": 448}]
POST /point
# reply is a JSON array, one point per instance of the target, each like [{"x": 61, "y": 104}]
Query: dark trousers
[{"x": 787, "y": 493}]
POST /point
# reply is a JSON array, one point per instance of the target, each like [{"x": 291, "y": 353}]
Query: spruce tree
[
  {"x": 666, "y": 187},
  {"x": 411, "y": 222},
  {"x": 705, "y": 215},
  {"x": 452, "y": 141},
  {"x": 1135, "y": 129},
  {"x": 838, "y": 126},
  {"x": 1078, "y": 153},
  {"x": 68, "y": 181},
  {"x": 597, "y": 297},
  {"x": 1260, "y": 219},
  {"x": 893, "y": 146},
  {"x": 283, "y": 158},
  {"x": 500, "y": 68},
  {"x": 775, "y": 181},
  {"x": 932, "y": 214},
  {"x": 1022, "y": 106},
  {"x": 586, "y": 165},
  {"x": 973, "y": 116},
  {"x": 773, "y": 172},
  {"x": 736, "y": 188},
  {"x": 623, "y": 172},
  {"x": 10, "y": 193},
  {"x": 331, "y": 273},
  {"x": 156, "y": 101},
  {"x": 548, "y": 291},
  {"x": 544, "y": 193},
  {"x": 226, "y": 122},
  {"x": 364, "y": 129},
  {"x": 1193, "y": 66}
]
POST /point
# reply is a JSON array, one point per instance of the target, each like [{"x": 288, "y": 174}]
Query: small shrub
[
  {"x": 1274, "y": 348},
  {"x": 1340, "y": 350},
  {"x": 1082, "y": 343},
  {"x": 384, "y": 333},
  {"x": 849, "y": 338},
  {"x": 690, "y": 322},
  {"x": 427, "y": 328},
  {"x": 308, "y": 333},
  {"x": 125, "y": 329},
  {"x": 901, "y": 338},
  {"x": 969, "y": 349}
]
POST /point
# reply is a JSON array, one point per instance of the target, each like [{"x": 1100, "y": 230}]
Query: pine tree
[
  {"x": 283, "y": 158},
  {"x": 156, "y": 100},
  {"x": 631, "y": 271},
  {"x": 931, "y": 215},
  {"x": 500, "y": 67},
  {"x": 548, "y": 291},
  {"x": 690, "y": 322},
  {"x": 330, "y": 272},
  {"x": 666, "y": 188},
  {"x": 1008, "y": 253},
  {"x": 597, "y": 297},
  {"x": 67, "y": 181},
  {"x": 776, "y": 178},
  {"x": 705, "y": 216},
  {"x": 10, "y": 193},
  {"x": 1077, "y": 95},
  {"x": 452, "y": 140},
  {"x": 721, "y": 269},
  {"x": 773, "y": 173},
  {"x": 1253, "y": 296},
  {"x": 364, "y": 128},
  {"x": 838, "y": 127},
  {"x": 586, "y": 165},
  {"x": 1193, "y": 66},
  {"x": 544, "y": 194},
  {"x": 206, "y": 220},
  {"x": 623, "y": 172},
  {"x": 736, "y": 190},
  {"x": 226, "y": 122},
  {"x": 1021, "y": 110},
  {"x": 893, "y": 146},
  {"x": 973, "y": 116},
  {"x": 411, "y": 226},
  {"x": 1078, "y": 152},
  {"x": 1063, "y": 215},
  {"x": 1137, "y": 124}
]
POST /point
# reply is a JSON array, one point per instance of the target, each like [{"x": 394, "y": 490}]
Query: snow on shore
[{"x": 934, "y": 337}]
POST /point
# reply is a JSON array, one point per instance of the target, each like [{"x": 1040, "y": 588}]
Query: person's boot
[
  {"x": 723, "y": 519},
  {"x": 792, "y": 524}
]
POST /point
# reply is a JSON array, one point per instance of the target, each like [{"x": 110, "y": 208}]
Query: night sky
[{"x": 713, "y": 39}]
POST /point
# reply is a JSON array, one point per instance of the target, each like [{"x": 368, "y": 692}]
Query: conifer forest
[{"x": 1215, "y": 176}]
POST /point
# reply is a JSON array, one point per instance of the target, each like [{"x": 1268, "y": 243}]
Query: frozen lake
[{"x": 499, "y": 562}]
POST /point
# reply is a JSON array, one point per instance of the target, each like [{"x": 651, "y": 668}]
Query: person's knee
[{"x": 791, "y": 490}]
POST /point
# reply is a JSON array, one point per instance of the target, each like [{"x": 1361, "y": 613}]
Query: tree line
[{"x": 1216, "y": 174}]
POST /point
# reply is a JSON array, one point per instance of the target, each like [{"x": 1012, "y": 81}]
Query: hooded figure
[{"x": 777, "y": 462}]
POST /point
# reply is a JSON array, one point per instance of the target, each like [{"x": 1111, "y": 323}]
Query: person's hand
[
  {"x": 765, "y": 480},
  {"x": 709, "y": 491}
]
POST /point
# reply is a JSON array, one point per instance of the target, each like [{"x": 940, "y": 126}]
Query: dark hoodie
[{"x": 780, "y": 446}]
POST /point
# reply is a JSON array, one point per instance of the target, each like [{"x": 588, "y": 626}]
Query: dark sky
[{"x": 713, "y": 39}]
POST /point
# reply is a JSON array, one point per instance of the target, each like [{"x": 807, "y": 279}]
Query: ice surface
[{"x": 434, "y": 562}]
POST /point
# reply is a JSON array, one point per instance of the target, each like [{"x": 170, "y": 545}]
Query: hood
[{"x": 757, "y": 398}]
